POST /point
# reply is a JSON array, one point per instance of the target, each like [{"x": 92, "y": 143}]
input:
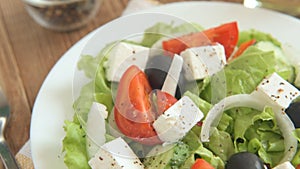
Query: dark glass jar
[{"x": 62, "y": 15}]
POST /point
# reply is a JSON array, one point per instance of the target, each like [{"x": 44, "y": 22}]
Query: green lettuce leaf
[
  {"x": 74, "y": 145},
  {"x": 173, "y": 158},
  {"x": 89, "y": 65},
  {"x": 245, "y": 129},
  {"x": 197, "y": 150},
  {"x": 296, "y": 133},
  {"x": 102, "y": 91},
  {"x": 226, "y": 123},
  {"x": 256, "y": 132},
  {"x": 96, "y": 90},
  {"x": 258, "y": 36},
  {"x": 221, "y": 144},
  {"x": 296, "y": 159},
  {"x": 183, "y": 155},
  {"x": 159, "y": 30},
  {"x": 83, "y": 103},
  {"x": 244, "y": 73}
]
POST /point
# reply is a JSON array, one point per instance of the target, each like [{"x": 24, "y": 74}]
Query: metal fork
[{"x": 5, "y": 153}]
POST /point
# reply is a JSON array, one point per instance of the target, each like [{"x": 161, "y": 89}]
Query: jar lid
[{"x": 42, "y": 3}]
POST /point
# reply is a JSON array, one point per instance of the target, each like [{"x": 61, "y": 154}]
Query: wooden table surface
[{"x": 27, "y": 54}]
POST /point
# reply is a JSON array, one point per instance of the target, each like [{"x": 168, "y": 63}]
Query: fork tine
[{"x": 5, "y": 153}]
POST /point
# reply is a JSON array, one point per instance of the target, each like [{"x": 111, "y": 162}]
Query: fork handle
[{"x": 7, "y": 157}]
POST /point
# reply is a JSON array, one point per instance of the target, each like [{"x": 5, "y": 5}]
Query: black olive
[
  {"x": 157, "y": 69},
  {"x": 293, "y": 112},
  {"x": 244, "y": 160}
]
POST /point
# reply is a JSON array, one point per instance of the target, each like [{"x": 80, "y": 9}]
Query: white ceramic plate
[{"x": 54, "y": 102}]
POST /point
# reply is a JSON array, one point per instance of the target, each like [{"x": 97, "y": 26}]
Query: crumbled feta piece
[
  {"x": 122, "y": 56},
  {"x": 176, "y": 121},
  {"x": 95, "y": 127},
  {"x": 276, "y": 91},
  {"x": 115, "y": 154},
  {"x": 104, "y": 160},
  {"x": 204, "y": 60},
  {"x": 285, "y": 165}
]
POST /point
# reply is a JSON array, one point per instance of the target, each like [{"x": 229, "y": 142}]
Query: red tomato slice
[
  {"x": 226, "y": 34},
  {"x": 201, "y": 164},
  {"x": 243, "y": 47},
  {"x": 134, "y": 112},
  {"x": 132, "y": 109},
  {"x": 179, "y": 44}
]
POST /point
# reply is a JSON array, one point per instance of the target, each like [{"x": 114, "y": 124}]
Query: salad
[{"x": 187, "y": 97}]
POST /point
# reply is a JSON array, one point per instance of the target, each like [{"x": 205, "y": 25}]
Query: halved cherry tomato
[
  {"x": 226, "y": 34},
  {"x": 243, "y": 47},
  {"x": 201, "y": 164},
  {"x": 134, "y": 112}
]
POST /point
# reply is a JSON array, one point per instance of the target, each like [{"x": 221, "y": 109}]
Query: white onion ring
[{"x": 285, "y": 124}]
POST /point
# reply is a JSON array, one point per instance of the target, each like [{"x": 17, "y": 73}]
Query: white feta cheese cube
[
  {"x": 276, "y": 91},
  {"x": 95, "y": 127},
  {"x": 103, "y": 160},
  {"x": 285, "y": 165},
  {"x": 204, "y": 60},
  {"x": 176, "y": 121},
  {"x": 115, "y": 154},
  {"x": 122, "y": 56},
  {"x": 171, "y": 81}
]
